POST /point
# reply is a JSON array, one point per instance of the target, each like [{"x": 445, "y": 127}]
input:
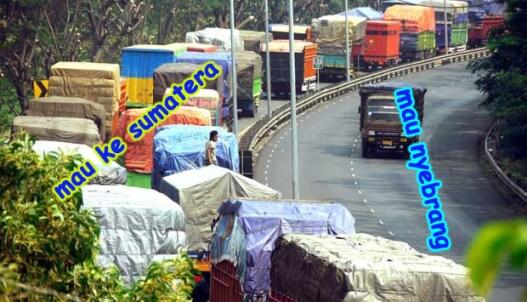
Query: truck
[
  {"x": 305, "y": 73},
  {"x": 381, "y": 46},
  {"x": 380, "y": 125},
  {"x": 249, "y": 78}
]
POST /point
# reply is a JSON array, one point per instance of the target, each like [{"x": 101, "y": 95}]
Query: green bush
[{"x": 48, "y": 246}]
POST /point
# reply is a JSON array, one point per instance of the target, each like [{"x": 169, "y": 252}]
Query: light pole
[
  {"x": 267, "y": 59},
  {"x": 294, "y": 135},
  {"x": 234, "y": 83},
  {"x": 446, "y": 27},
  {"x": 347, "y": 41}
]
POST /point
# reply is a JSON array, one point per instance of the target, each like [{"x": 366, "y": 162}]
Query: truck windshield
[{"x": 383, "y": 113}]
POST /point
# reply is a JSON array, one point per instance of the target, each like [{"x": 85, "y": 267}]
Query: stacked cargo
[
  {"x": 138, "y": 63},
  {"x": 456, "y": 24},
  {"x": 417, "y": 30},
  {"x": 175, "y": 73},
  {"x": 137, "y": 225},
  {"x": 58, "y": 106},
  {"x": 252, "y": 40},
  {"x": 178, "y": 148},
  {"x": 330, "y": 36},
  {"x": 223, "y": 59},
  {"x": 381, "y": 43},
  {"x": 305, "y": 75},
  {"x": 138, "y": 156},
  {"x": 96, "y": 82},
  {"x": 249, "y": 78},
  {"x": 220, "y": 37},
  {"x": 199, "y": 47},
  {"x": 361, "y": 267},
  {"x": 245, "y": 236},
  {"x": 300, "y": 32},
  {"x": 59, "y": 129}
]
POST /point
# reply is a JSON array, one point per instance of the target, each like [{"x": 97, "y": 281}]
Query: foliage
[
  {"x": 504, "y": 80},
  {"x": 496, "y": 243},
  {"x": 49, "y": 246}
]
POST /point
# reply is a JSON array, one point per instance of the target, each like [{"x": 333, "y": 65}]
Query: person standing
[{"x": 210, "y": 149}]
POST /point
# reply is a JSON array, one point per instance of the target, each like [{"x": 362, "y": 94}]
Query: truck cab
[{"x": 380, "y": 124}]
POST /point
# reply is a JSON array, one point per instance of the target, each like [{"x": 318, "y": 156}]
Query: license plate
[{"x": 387, "y": 142}]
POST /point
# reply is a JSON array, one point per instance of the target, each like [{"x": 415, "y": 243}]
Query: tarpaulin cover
[
  {"x": 201, "y": 191},
  {"x": 364, "y": 268},
  {"x": 284, "y": 28},
  {"x": 180, "y": 148},
  {"x": 332, "y": 29},
  {"x": 138, "y": 156},
  {"x": 253, "y": 39},
  {"x": 220, "y": 37},
  {"x": 364, "y": 12},
  {"x": 139, "y": 61},
  {"x": 98, "y": 82},
  {"x": 283, "y": 46},
  {"x": 207, "y": 99},
  {"x": 423, "y": 17},
  {"x": 136, "y": 225},
  {"x": 247, "y": 231},
  {"x": 248, "y": 70},
  {"x": 221, "y": 58},
  {"x": 68, "y": 107},
  {"x": 61, "y": 129},
  {"x": 175, "y": 73},
  {"x": 107, "y": 174}
]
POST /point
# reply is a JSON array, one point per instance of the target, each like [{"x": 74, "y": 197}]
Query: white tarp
[
  {"x": 219, "y": 37},
  {"x": 137, "y": 225},
  {"x": 111, "y": 174},
  {"x": 201, "y": 191},
  {"x": 364, "y": 268}
]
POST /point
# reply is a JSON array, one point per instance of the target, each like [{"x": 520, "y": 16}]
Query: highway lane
[{"x": 380, "y": 192}]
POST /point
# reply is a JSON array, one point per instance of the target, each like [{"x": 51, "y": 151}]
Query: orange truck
[
  {"x": 381, "y": 43},
  {"x": 305, "y": 73}
]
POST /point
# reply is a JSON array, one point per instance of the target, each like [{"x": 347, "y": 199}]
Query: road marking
[
  {"x": 390, "y": 233},
  {"x": 351, "y": 162},
  {"x": 360, "y": 192},
  {"x": 372, "y": 210},
  {"x": 380, "y": 221},
  {"x": 353, "y": 175},
  {"x": 351, "y": 168},
  {"x": 365, "y": 201}
]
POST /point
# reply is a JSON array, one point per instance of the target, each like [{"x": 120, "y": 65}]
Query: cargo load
[
  {"x": 137, "y": 225},
  {"x": 175, "y": 73},
  {"x": 381, "y": 43},
  {"x": 58, "y": 106},
  {"x": 207, "y": 99},
  {"x": 252, "y": 40},
  {"x": 249, "y": 78},
  {"x": 246, "y": 232},
  {"x": 219, "y": 37},
  {"x": 361, "y": 267},
  {"x": 139, "y": 154},
  {"x": 60, "y": 129},
  {"x": 412, "y": 18},
  {"x": 363, "y": 12},
  {"x": 138, "y": 63},
  {"x": 97, "y": 82},
  {"x": 201, "y": 191},
  {"x": 179, "y": 148},
  {"x": 223, "y": 59},
  {"x": 331, "y": 30},
  {"x": 199, "y": 47},
  {"x": 107, "y": 174},
  {"x": 305, "y": 74},
  {"x": 300, "y": 32}
]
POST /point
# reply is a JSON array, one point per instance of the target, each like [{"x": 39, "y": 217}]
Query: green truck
[
  {"x": 249, "y": 78},
  {"x": 380, "y": 124}
]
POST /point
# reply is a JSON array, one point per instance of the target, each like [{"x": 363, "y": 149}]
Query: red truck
[
  {"x": 479, "y": 33},
  {"x": 381, "y": 43}
]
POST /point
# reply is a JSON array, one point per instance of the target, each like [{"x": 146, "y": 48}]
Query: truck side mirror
[{"x": 360, "y": 109}]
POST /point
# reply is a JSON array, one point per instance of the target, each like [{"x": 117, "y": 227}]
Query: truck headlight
[
  {"x": 371, "y": 132},
  {"x": 403, "y": 139}
]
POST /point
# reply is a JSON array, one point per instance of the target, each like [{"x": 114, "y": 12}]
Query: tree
[{"x": 49, "y": 246}]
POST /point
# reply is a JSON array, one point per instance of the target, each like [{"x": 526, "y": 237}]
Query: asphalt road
[{"x": 380, "y": 192}]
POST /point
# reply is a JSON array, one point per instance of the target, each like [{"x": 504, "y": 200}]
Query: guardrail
[
  {"x": 499, "y": 172},
  {"x": 255, "y": 136}
]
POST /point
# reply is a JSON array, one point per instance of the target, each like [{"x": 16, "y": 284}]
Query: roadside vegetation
[
  {"x": 49, "y": 246},
  {"x": 504, "y": 82}
]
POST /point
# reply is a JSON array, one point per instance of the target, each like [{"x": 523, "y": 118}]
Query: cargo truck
[
  {"x": 300, "y": 32},
  {"x": 380, "y": 124},
  {"x": 249, "y": 79},
  {"x": 305, "y": 74},
  {"x": 381, "y": 43}
]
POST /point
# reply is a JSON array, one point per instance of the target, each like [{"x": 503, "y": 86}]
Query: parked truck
[{"x": 380, "y": 125}]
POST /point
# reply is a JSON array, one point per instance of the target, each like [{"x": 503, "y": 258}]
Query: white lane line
[
  {"x": 356, "y": 183},
  {"x": 372, "y": 210},
  {"x": 380, "y": 221},
  {"x": 351, "y": 168},
  {"x": 353, "y": 175},
  {"x": 360, "y": 192},
  {"x": 365, "y": 200},
  {"x": 351, "y": 162},
  {"x": 390, "y": 233}
]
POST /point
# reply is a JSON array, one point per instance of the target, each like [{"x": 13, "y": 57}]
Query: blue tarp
[
  {"x": 221, "y": 58},
  {"x": 364, "y": 12},
  {"x": 140, "y": 61},
  {"x": 256, "y": 225},
  {"x": 182, "y": 147}
]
